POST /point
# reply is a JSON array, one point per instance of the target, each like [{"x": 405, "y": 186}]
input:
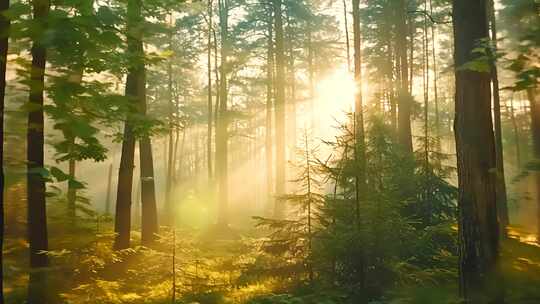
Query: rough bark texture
[
  {"x": 279, "y": 109},
  {"x": 4, "y": 32},
  {"x": 149, "y": 219},
  {"x": 37, "y": 224},
  {"x": 222, "y": 126},
  {"x": 37, "y": 217},
  {"x": 135, "y": 81},
  {"x": 475, "y": 145},
  {"x": 502, "y": 203}
]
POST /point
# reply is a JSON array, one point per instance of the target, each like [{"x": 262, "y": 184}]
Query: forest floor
[{"x": 207, "y": 271}]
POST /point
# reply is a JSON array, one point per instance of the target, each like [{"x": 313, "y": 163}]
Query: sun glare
[{"x": 334, "y": 99}]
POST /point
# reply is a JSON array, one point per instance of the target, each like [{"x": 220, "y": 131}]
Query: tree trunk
[
  {"x": 404, "y": 95},
  {"x": 109, "y": 189},
  {"x": 210, "y": 110},
  {"x": 37, "y": 218},
  {"x": 149, "y": 221},
  {"x": 534, "y": 100},
  {"x": 360, "y": 153},
  {"x": 475, "y": 145},
  {"x": 37, "y": 225},
  {"x": 279, "y": 109},
  {"x": 72, "y": 194},
  {"x": 134, "y": 83},
  {"x": 4, "y": 40},
  {"x": 170, "y": 147},
  {"x": 222, "y": 132},
  {"x": 269, "y": 110},
  {"x": 502, "y": 203},
  {"x": 347, "y": 40},
  {"x": 435, "y": 83}
]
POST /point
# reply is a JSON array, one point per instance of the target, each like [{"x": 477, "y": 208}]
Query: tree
[
  {"x": 134, "y": 91},
  {"x": 478, "y": 226},
  {"x": 222, "y": 126},
  {"x": 502, "y": 203},
  {"x": 359, "y": 106},
  {"x": 269, "y": 106},
  {"x": 4, "y": 40},
  {"x": 37, "y": 218},
  {"x": 404, "y": 96},
  {"x": 279, "y": 106}
]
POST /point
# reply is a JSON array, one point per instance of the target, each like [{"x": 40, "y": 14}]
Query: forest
[{"x": 270, "y": 151}]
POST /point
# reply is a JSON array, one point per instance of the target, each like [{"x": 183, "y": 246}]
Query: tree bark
[
  {"x": 134, "y": 82},
  {"x": 404, "y": 95},
  {"x": 475, "y": 145},
  {"x": 37, "y": 217},
  {"x": 37, "y": 223},
  {"x": 4, "y": 41},
  {"x": 279, "y": 109},
  {"x": 502, "y": 203}
]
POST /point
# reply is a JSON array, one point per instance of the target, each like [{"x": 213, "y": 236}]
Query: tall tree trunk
[
  {"x": 360, "y": 153},
  {"x": 134, "y": 83},
  {"x": 210, "y": 110},
  {"x": 222, "y": 127},
  {"x": 170, "y": 147},
  {"x": 279, "y": 109},
  {"x": 502, "y": 203},
  {"x": 435, "y": 82},
  {"x": 37, "y": 218},
  {"x": 291, "y": 113},
  {"x": 269, "y": 111},
  {"x": 404, "y": 96},
  {"x": 4, "y": 40},
  {"x": 149, "y": 219},
  {"x": 347, "y": 40},
  {"x": 475, "y": 145},
  {"x": 534, "y": 100}
]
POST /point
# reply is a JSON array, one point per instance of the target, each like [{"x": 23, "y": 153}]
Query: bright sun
[{"x": 334, "y": 99}]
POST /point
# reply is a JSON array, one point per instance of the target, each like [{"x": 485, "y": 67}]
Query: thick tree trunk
[
  {"x": 222, "y": 126},
  {"x": 134, "y": 83},
  {"x": 37, "y": 218},
  {"x": 475, "y": 145},
  {"x": 279, "y": 109},
  {"x": 404, "y": 96},
  {"x": 37, "y": 224},
  {"x": 4, "y": 40},
  {"x": 502, "y": 203},
  {"x": 149, "y": 219}
]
